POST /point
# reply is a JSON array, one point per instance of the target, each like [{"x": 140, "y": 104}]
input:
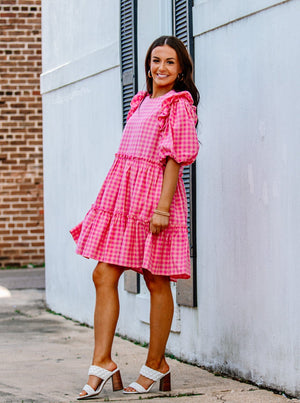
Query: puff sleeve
[
  {"x": 135, "y": 102},
  {"x": 177, "y": 122}
]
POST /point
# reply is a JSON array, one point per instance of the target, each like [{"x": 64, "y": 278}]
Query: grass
[
  {"x": 68, "y": 318},
  {"x": 27, "y": 266},
  {"x": 170, "y": 396}
]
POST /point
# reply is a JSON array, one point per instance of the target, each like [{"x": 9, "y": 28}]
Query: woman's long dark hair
[{"x": 185, "y": 82}]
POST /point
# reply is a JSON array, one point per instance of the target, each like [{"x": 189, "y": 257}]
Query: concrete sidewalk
[{"x": 45, "y": 357}]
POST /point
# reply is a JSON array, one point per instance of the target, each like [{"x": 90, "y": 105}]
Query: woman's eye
[{"x": 170, "y": 62}]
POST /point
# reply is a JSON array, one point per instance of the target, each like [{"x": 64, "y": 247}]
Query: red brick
[
  {"x": 5, "y": 233},
  {"x": 7, "y": 15},
  {"x": 4, "y": 218},
  {"x": 10, "y": 238},
  {"x": 21, "y": 172},
  {"x": 17, "y": 46}
]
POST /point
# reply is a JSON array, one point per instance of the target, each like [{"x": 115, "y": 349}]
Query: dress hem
[{"x": 139, "y": 270}]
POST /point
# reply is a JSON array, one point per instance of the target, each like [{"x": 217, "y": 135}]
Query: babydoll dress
[{"x": 116, "y": 228}]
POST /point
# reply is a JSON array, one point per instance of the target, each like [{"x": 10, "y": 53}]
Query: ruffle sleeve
[
  {"x": 135, "y": 102},
  {"x": 177, "y": 121}
]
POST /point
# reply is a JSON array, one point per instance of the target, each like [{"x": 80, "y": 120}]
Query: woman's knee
[
  {"x": 106, "y": 274},
  {"x": 156, "y": 283}
]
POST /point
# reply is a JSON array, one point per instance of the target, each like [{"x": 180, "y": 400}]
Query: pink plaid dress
[{"x": 116, "y": 228}]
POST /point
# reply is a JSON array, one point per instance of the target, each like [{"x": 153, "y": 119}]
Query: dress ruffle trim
[
  {"x": 177, "y": 121},
  {"x": 170, "y": 101},
  {"x": 137, "y": 248},
  {"x": 135, "y": 102}
]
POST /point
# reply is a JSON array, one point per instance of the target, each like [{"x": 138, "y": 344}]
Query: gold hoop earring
[
  {"x": 180, "y": 77},
  {"x": 149, "y": 74}
]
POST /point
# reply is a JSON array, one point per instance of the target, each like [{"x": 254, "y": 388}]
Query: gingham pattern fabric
[{"x": 116, "y": 228}]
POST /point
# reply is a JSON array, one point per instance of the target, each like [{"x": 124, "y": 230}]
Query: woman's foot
[
  {"x": 147, "y": 382},
  {"x": 93, "y": 381}
]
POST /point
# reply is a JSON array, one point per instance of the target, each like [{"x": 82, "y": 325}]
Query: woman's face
[{"x": 164, "y": 67}]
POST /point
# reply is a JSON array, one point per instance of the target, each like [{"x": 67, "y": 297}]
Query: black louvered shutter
[
  {"x": 128, "y": 28},
  {"x": 182, "y": 29},
  {"x": 128, "y": 41}
]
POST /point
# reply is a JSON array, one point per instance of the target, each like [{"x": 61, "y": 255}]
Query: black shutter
[
  {"x": 182, "y": 22},
  {"x": 128, "y": 41},
  {"x": 182, "y": 29},
  {"x": 128, "y": 28}
]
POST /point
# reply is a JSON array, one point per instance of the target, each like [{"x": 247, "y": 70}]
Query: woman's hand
[{"x": 158, "y": 223}]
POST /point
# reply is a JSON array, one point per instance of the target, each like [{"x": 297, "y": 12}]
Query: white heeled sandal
[
  {"x": 105, "y": 375},
  {"x": 164, "y": 385}
]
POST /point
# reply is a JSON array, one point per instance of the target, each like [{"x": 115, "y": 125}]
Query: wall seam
[
  {"x": 242, "y": 17},
  {"x": 86, "y": 66}
]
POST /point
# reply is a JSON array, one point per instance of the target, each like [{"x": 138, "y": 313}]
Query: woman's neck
[{"x": 160, "y": 92}]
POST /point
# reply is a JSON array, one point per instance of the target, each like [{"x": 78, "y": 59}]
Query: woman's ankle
[
  {"x": 158, "y": 365},
  {"x": 105, "y": 363}
]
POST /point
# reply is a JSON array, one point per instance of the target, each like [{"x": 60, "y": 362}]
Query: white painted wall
[
  {"x": 71, "y": 29},
  {"x": 248, "y": 193},
  {"x": 249, "y": 197},
  {"x": 82, "y": 128}
]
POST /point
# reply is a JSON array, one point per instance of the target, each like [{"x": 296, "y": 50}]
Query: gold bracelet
[{"x": 164, "y": 213}]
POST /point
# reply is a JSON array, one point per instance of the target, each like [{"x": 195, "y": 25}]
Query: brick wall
[{"x": 21, "y": 163}]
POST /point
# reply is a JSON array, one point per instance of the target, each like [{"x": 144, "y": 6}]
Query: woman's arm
[{"x": 159, "y": 222}]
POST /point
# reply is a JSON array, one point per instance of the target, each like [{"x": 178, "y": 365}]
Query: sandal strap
[
  {"x": 101, "y": 373},
  {"x": 88, "y": 389},
  {"x": 139, "y": 388},
  {"x": 151, "y": 373}
]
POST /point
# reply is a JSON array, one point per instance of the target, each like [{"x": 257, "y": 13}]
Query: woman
[{"x": 139, "y": 218}]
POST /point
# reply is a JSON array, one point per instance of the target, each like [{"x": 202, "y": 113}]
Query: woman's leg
[
  {"x": 106, "y": 278},
  {"x": 161, "y": 315}
]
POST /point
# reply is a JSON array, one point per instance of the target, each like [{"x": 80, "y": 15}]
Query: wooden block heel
[
  {"x": 117, "y": 381},
  {"x": 165, "y": 383}
]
